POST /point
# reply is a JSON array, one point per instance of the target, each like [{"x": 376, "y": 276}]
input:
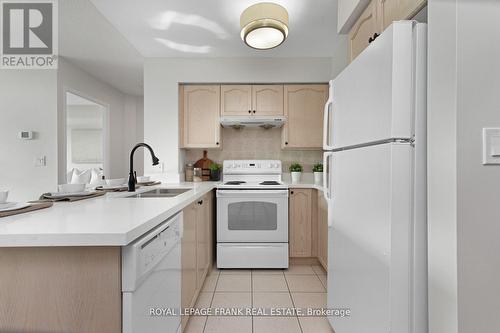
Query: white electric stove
[{"x": 252, "y": 215}]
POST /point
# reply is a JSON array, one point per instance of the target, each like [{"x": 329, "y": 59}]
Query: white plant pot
[
  {"x": 296, "y": 177},
  {"x": 318, "y": 178}
]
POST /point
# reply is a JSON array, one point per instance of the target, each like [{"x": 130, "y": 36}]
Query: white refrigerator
[{"x": 375, "y": 186}]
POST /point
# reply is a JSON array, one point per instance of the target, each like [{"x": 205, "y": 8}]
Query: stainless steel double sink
[{"x": 160, "y": 193}]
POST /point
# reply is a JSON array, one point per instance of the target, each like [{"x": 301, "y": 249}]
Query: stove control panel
[{"x": 252, "y": 167}]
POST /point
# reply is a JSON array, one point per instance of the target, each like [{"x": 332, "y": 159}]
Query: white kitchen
[{"x": 246, "y": 166}]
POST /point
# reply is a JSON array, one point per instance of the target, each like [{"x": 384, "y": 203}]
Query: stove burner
[
  {"x": 235, "y": 182},
  {"x": 269, "y": 182}
]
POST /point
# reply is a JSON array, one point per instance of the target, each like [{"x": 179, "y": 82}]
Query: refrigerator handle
[
  {"x": 326, "y": 184},
  {"x": 326, "y": 123},
  {"x": 326, "y": 176}
]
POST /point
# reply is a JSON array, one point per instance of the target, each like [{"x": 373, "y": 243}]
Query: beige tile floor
[{"x": 300, "y": 286}]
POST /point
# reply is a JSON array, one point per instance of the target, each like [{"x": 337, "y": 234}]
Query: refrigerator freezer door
[
  {"x": 374, "y": 95},
  {"x": 369, "y": 243}
]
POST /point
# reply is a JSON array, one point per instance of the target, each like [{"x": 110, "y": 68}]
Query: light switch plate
[{"x": 491, "y": 146}]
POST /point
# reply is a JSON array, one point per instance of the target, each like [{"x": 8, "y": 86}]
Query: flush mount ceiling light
[{"x": 264, "y": 25}]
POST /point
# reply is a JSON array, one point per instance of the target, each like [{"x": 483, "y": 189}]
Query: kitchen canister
[
  {"x": 189, "y": 172},
  {"x": 197, "y": 175}
]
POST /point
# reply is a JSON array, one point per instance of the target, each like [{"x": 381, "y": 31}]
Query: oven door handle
[{"x": 251, "y": 193}]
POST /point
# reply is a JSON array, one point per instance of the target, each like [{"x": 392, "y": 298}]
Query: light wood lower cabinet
[
  {"x": 308, "y": 224},
  {"x": 196, "y": 250},
  {"x": 300, "y": 222},
  {"x": 60, "y": 289},
  {"x": 322, "y": 230}
]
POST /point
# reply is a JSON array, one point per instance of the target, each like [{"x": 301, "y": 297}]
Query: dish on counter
[
  {"x": 116, "y": 182},
  {"x": 71, "y": 194},
  {"x": 71, "y": 188},
  {"x": 15, "y": 206}
]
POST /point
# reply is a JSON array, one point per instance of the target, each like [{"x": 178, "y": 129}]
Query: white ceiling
[
  {"x": 89, "y": 41},
  {"x": 210, "y": 28},
  {"x": 110, "y": 38}
]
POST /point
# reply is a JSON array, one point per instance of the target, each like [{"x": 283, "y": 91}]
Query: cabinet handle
[
  {"x": 217, "y": 143},
  {"x": 253, "y": 111},
  {"x": 372, "y": 39},
  {"x": 249, "y": 111},
  {"x": 291, "y": 192},
  {"x": 286, "y": 143},
  {"x": 200, "y": 202}
]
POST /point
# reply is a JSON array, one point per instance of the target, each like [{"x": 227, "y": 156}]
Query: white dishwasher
[{"x": 151, "y": 280}]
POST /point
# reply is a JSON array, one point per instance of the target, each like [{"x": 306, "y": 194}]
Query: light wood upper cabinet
[
  {"x": 322, "y": 230},
  {"x": 254, "y": 100},
  {"x": 304, "y": 106},
  {"x": 388, "y": 12},
  {"x": 236, "y": 100},
  {"x": 267, "y": 100},
  {"x": 378, "y": 15},
  {"x": 200, "y": 123},
  {"x": 408, "y": 8},
  {"x": 364, "y": 29},
  {"x": 300, "y": 222}
]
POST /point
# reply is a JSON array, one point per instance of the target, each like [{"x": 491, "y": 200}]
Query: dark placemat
[
  {"x": 33, "y": 207},
  {"x": 47, "y": 197}
]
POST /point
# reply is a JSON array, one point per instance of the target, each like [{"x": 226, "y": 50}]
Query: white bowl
[
  {"x": 71, "y": 188},
  {"x": 4, "y": 194},
  {"x": 116, "y": 182},
  {"x": 143, "y": 179}
]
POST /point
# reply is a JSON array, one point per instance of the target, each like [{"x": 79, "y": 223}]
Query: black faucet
[{"x": 131, "y": 177}]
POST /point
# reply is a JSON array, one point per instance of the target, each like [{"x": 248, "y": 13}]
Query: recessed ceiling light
[{"x": 264, "y": 25}]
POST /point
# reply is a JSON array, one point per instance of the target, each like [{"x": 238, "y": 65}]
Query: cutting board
[{"x": 204, "y": 164}]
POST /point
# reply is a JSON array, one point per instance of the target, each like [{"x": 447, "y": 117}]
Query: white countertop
[{"x": 111, "y": 220}]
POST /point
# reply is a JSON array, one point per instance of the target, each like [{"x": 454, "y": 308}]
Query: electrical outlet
[{"x": 41, "y": 161}]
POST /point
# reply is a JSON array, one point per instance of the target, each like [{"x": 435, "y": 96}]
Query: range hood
[{"x": 265, "y": 122}]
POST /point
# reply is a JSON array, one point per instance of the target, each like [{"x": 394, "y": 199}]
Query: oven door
[{"x": 250, "y": 215}]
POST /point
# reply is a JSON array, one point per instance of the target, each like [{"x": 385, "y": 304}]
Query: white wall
[
  {"x": 464, "y": 219},
  {"x": 28, "y": 102},
  {"x": 478, "y": 106},
  {"x": 162, "y": 76},
  {"x": 121, "y": 118}
]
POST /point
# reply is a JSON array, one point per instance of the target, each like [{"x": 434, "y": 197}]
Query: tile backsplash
[{"x": 256, "y": 143}]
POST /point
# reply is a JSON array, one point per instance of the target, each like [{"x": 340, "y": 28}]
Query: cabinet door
[
  {"x": 408, "y": 8},
  {"x": 267, "y": 100},
  {"x": 236, "y": 100},
  {"x": 188, "y": 257},
  {"x": 322, "y": 230},
  {"x": 211, "y": 234},
  {"x": 300, "y": 222},
  {"x": 202, "y": 234},
  {"x": 201, "y": 108},
  {"x": 388, "y": 12},
  {"x": 304, "y": 105},
  {"x": 363, "y": 29}
]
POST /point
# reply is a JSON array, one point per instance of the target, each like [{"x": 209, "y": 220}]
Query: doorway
[{"x": 86, "y": 133}]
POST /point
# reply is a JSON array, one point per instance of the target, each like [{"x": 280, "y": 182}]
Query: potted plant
[
  {"x": 318, "y": 173},
  {"x": 296, "y": 171},
  {"x": 215, "y": 171}
]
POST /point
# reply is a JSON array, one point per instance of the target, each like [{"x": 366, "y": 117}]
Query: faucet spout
[{"x": 131, "y": 177}]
